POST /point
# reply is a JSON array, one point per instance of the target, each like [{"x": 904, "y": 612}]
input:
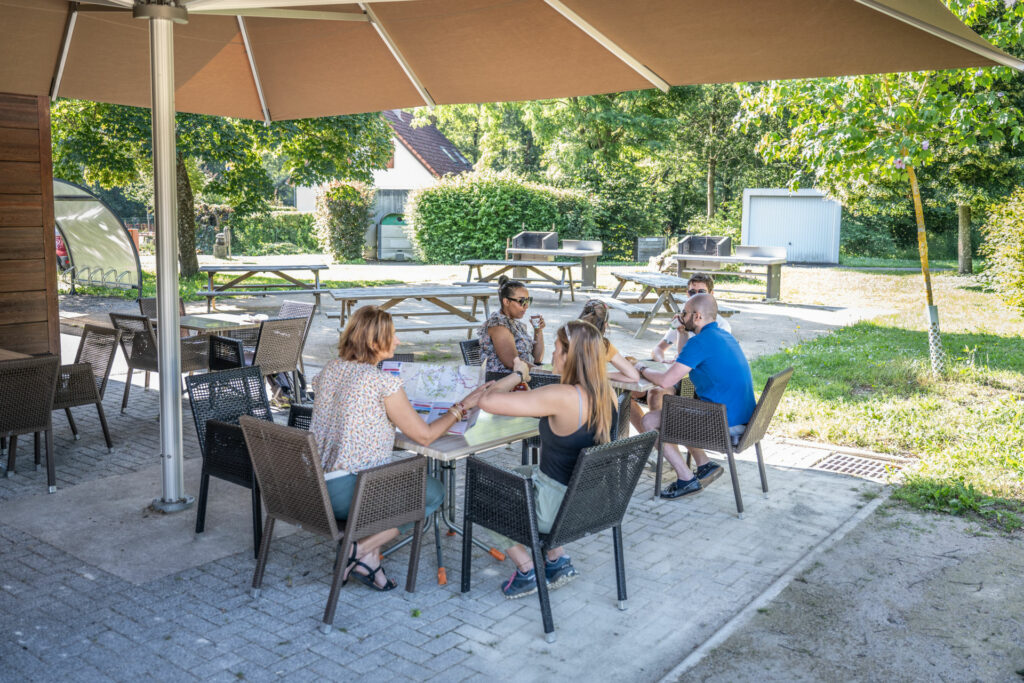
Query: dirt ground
[{"x": 904, "y": 596}]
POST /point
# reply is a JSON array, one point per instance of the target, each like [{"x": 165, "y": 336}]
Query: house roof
[{"x": 436, "y": 152}]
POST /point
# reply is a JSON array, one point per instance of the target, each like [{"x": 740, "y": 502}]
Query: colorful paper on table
[{"x": 434, "y": 387}]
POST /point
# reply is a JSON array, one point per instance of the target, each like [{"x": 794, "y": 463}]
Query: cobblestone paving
[{"x": 691, "y": 565}]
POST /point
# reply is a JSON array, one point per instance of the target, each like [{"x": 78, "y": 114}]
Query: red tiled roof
[{"x": 428, "y": 144}]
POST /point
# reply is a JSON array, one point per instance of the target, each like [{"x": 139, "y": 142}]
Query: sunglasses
[
  {"x": 523, "y": 300},
  {"x": 693, "y": 292}
]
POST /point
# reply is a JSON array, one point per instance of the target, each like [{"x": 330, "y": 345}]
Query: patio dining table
[
  {"x": 217, "y": 322},
  {"x": 490, "y": 431}
]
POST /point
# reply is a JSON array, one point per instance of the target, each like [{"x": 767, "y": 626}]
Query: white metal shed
[{"x": 805, "y": 222}]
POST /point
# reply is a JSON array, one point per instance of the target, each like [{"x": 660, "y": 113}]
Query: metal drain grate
[{"x": 856, "y": 466}]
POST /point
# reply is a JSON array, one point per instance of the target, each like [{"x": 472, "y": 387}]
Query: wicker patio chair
[
  {"x": 620, "y": 430},
  {"x": 599, "y": 491},
  {"x": 226, "y": 353},
  {"x": 279, "y": 346},
  {"x": 218, "y": 399},
  {"x": 702, "y": 424},
  {"x": 26, "y": 403},
  {"x": 471, "y": 352},
  {"x": 531, "y": 446},
  {"x": 298, "y": 309},
  {"x": 85, "y": 381},
  {"x": 287, "y": 464},
  {"x": 138, "y": 342},
  {"x": 300, "y": 415},
  {"x": 147, "y": 307}
]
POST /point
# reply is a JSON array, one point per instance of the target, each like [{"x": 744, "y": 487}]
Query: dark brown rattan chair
[
  {"x": 147, "y": 307},
  {"x": 702, "y": 424},
  {"x": 620, "y": 430},
  {"x": 599, "y": 491},
  {"x": 531, "y": 446},
  {"x": 226, "y": 353},
  {"x": 85, "y": 381},
  {"x": 287, "y": 464},
  {"x": 279, "y": 347},
  {"x": 138, "y": 342},
  {"x": 471, "y": 352},
  {"x": 26, "y": 403},
  {"x": 218, "y": 399},
  {"x": 300, "y": 415}
]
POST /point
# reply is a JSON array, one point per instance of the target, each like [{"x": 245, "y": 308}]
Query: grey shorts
[{"x": 547, "y": 498}]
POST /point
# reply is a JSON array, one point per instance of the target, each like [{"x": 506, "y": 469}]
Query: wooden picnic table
[
  {"x": 541, "y": 280},
  {"x": 690, "y": 263},
  {"x": 670, "y": 291},
  {"x": 435, "y": 295},
  {"x": 235, "y": 287}
]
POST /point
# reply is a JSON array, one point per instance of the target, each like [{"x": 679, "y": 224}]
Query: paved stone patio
[{"x": 691, "y": 565}]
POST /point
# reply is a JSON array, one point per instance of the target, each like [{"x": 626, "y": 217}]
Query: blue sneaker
[
  {"x": 520, "y": 585},
  {"x": 559, "y": 572}
]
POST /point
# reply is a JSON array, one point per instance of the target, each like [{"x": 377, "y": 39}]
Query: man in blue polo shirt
[{"x": 720, "y": 374}]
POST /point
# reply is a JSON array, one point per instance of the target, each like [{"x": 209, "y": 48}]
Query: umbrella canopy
[{"x": 284, "y": 59}]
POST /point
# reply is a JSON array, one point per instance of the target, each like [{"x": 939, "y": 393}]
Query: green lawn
[
  {"x": 188, "y": 287},
  {"x": 875, "y": 262},
  {"x": 870, "y": 386}
]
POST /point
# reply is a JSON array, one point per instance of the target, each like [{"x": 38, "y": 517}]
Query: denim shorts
[{"x": 547, "y": 498}]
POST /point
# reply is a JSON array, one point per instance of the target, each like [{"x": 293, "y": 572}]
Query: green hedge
[
  {"x": 343, "y": 213},
  {"x": 472, "y": 215},
  {"x": 1004, "y": 247},
  {"x": 274, "y": 233}
]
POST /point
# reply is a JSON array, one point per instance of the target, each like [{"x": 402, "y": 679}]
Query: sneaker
[
  {"x": 520, "y": 585},
  {"x": 680, "y": 488},
  {"x": 708, "y": 472},
  {"x": 559, "y": 572}
]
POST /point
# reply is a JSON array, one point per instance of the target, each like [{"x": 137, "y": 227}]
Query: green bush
[
  {"x": 862, "y": 238},
  {"x": 1004, "y": 248},
  {"x": 472, "y": 215},
  {"x": 279, "y": 232},
  {"x": 725, "y": 222},
  {"x": 627, "y": 208},
  {"x": 343, "y": 213}
]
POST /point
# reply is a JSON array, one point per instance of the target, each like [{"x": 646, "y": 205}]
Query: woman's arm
[
  {"x": 538, "y": 342},
  {"x": 504, "y": 344},
  {"x": 501, "y": 400},
  {"x": 405, "y": 418},
  {"x": 626, "y": 371}
]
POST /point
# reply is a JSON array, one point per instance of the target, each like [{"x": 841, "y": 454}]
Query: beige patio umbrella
[{"x": 283, "y": 59}]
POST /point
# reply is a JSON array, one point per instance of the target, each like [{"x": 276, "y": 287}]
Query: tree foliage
[
  {"x": 343, "y": 212},
  {"x": 110, "y": 146}
]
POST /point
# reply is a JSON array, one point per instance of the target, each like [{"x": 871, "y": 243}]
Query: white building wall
[{"x": 805, "y": 222}]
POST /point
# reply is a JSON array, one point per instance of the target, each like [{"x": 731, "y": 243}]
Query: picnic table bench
[
  {"x": 235, "y": 287},
  {"x": 671, "y": 291},
  {"x": 541, "y": 281},
  {"x": 434, "y": 295}
]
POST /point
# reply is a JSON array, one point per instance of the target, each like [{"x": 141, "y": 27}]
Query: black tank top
[{"x": 559, "y": 453}]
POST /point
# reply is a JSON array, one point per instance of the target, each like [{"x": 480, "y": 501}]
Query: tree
[
  {"x": 850, "y": 132},
  {"x": 109, "y": 145}
]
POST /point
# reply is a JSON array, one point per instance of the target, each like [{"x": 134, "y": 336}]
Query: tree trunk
[
  {"x": 186, "y": 222},
  {"x": 712, "y": 163},
  {"x": 963, "y": 215},
  {"x": 935, "y": 351}
]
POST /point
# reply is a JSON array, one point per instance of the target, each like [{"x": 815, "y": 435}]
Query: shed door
[{"x": 808, "y": 227}]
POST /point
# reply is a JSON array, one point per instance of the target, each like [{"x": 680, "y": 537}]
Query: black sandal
[{"x": 368, "y": 579}]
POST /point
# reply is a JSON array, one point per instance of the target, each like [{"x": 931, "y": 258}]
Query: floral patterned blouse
[
  {"x": 350, "y": 422},
  {"x": 523, "y": 340}
]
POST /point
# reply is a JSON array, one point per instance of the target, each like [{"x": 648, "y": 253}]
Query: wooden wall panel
[
  {"x": 29, "y": 318},
  {"x": 21, "y": 210},
  {"x": 20, "y": 244}
]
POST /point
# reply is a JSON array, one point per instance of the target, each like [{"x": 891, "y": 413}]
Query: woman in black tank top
[{"x": 574, "y": 415}]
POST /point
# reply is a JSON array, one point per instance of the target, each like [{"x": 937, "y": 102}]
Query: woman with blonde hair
[
  {"x": 595, "y": 312},
  {"x": 357, "y": 409},
  {"x": 575, "y": 414}
]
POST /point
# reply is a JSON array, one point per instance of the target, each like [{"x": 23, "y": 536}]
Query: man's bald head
[{"x": 705, "y": 305}]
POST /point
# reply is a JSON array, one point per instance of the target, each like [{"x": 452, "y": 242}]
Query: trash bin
[{"x": 392, "y": 243}]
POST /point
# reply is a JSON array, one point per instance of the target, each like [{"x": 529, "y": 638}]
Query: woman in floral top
[
  {"x": 355, "y": 414},
  {"x": 503, "y": 336}
]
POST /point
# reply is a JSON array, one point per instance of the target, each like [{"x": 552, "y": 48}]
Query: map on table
[{"x": 434, "y": 387}]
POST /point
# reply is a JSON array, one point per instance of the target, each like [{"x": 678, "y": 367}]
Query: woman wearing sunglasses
[{"x": 503, "y": 336}]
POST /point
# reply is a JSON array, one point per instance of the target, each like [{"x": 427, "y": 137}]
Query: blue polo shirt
[{"x": 720, "y": 372}]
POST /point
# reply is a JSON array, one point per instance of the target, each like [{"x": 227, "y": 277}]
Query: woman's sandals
[{"x": 369, "y": 578}]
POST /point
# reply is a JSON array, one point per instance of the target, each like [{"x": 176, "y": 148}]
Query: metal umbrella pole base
[{"x": 168, "y": 506}]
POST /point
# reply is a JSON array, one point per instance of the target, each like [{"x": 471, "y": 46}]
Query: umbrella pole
[{"x": 161, "y": 50}]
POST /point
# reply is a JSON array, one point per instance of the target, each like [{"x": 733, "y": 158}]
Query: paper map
[{"x": 434, "y": 387}]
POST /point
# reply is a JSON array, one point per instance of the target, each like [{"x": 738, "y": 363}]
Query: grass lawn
[
  {"x": 874, "y": 262},
  {"x": 870, "y": 386},
  {"x": 188, "y": 287}
]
